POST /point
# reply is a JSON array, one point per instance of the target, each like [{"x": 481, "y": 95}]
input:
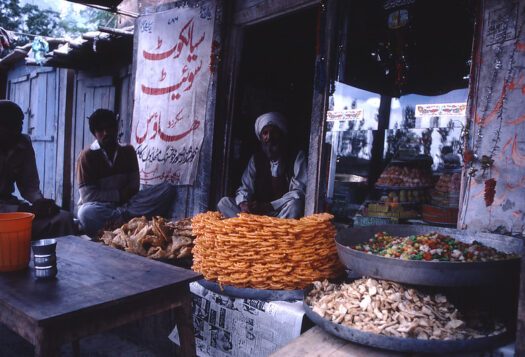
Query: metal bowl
[
  {"x": 429, "y": 273},
  {"x": 249, "y": 293},
  {"x": 414, "y": 345}
]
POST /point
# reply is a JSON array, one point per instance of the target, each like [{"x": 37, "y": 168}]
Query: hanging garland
[
  {"x": 490, "y": 191},
  {"x": 470, "y": 156}
]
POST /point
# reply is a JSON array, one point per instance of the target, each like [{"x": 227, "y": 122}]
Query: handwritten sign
[
  {"x": 171, "y": 87},
  {"x": 437, "y": 110},
  {"x": 344, "y": 115}
]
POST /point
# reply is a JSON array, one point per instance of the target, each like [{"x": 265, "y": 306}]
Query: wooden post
[
  {"x": 184, "y": 319},
  {"x": 520, "y": 332},
  {"x": 47, "y": 344}
]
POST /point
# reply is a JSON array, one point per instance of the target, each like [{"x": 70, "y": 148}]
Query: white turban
[{"x": 272, "y": 118}]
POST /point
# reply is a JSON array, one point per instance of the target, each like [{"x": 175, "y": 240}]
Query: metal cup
[
  {"x": 44, "y": 260},
  {"x": 44, "y": 246},
  {"x": 47, "y": 272}
]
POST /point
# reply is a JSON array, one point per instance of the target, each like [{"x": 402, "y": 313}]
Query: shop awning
[{"x": 105, "y": 3}]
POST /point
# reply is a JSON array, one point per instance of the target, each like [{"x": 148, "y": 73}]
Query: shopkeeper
[
  {"x": 109, "y": 180},
  {"x": 18, "y": 165},
  {"x": 274, "y": 182}
]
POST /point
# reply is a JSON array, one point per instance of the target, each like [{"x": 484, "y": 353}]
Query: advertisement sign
[
  {"x": 171, "y": 86},
  {"x": 344, "y": 115},
  {"x": 437, "y": 110}
]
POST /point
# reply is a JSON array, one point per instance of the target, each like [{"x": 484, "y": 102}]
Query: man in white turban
[{"x": 274, "y": 182}]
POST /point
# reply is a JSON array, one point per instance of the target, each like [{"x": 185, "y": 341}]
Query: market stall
[
  {"x": 267, "y": 280},
  {"x": 444, "y": 303},
  {"x": 255, "y": 270}
]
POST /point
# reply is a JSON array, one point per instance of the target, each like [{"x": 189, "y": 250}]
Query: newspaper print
[{"x": 227, "y": 326}]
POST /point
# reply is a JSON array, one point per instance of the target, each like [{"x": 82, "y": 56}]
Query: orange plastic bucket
[{"x": 15, "y": 240}]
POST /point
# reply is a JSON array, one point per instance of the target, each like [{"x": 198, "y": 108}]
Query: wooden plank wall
[
  {"x": 91, "y": 93},
  {"x": 125, "y": 104},
  {"x": 34, "y": 120},
  {"x": 64, "y": 137},
  {"x": 60, "y": 105},
  {"x": 18, "y": 93},
  {"x": 48, "y": 84},
  {"x": 35, "y": 90}
]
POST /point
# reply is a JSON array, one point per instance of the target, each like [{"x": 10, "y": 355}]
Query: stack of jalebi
[{"x": 262, "y": 252}]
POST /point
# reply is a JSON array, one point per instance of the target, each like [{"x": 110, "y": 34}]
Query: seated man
[
  {"x": 108, "y": 179},
  {"x": 274, "y": 182},
  {"x": 18, "y": 165}
]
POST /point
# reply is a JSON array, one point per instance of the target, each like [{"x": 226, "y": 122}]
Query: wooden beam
[
  {"x": 228, "y": 70},
  {"x": 115, "y": 31},
  {"x": 520, "y": 332},
  {"x": 250, "y": 12},
  {"x": 328, "y": 19}
]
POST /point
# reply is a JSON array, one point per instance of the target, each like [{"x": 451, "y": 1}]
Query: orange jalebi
[{"x": 265, "y": 252}]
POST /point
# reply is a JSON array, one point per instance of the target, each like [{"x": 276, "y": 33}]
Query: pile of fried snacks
[
  {"x": 393, "y": 309},
  {"x": 155, "y": 239},
  {"x": 261, "y": 252}
]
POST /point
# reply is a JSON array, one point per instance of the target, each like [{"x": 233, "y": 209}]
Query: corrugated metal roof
[{"x": 103, "y": 48}]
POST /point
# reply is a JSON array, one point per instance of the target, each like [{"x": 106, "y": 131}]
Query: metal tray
[
  {"x": 429, "y": 273},
  {"x": 249, "y": 293},
  {"x": 413, "y": 345},
  {"x": 381, "y": 187}
]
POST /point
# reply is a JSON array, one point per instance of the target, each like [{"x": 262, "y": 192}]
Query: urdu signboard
[{"x": 171, "y": 86}]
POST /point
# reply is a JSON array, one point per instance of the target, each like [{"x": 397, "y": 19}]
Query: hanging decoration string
[{"x": 470, "y": 156}]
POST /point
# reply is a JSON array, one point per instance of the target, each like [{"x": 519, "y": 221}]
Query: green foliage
[
  {"x": 69, "y": 27},
  {"x": 98, "y": 18},
  {"x": 37, "y": 21},
  {"x": 27, "y": 19},
  {"x": 31, "y": 19},
  {"x": 10, "y": 14}
]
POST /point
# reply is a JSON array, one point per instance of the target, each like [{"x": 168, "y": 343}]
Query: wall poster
[{"x": 171, "y": 86}]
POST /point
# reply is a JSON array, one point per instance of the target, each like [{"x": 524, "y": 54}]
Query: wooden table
[{"x": 97, "y": 288}]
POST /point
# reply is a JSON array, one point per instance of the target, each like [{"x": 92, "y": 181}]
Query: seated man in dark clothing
[
  {"x": 274, "y": 182},
  {"x": 109, "y": 180},
  {"x": 18, "y": 165}
]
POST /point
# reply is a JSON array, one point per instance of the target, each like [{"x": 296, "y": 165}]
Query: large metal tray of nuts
[
  {"x": 427, "y": 272},
  {"x": 413, "y": 345}
]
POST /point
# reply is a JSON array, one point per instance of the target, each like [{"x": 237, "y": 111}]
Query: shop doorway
[{"x": 276, "y": 74}]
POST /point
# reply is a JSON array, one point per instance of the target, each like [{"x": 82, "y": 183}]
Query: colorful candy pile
[{"x": 429, "y": 247}]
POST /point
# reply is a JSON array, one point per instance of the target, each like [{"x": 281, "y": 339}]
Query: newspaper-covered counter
[{"x": 228, "y": 326}]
